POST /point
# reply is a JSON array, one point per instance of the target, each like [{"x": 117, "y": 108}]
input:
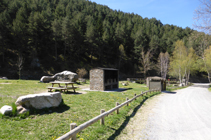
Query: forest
[{"x": 47, "y": 36}]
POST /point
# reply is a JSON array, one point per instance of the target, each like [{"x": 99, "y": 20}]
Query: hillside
[{"x": 57, "y": 35}]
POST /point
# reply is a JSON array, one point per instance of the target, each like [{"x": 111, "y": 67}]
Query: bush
[
  {"x": 14, "y": 109},
  {"x": 81, "y": 72},
  {"x": 140, "y": 81}
]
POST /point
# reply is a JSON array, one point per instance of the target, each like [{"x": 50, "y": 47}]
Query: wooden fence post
[
  {"x": 135, "y": 95},
  {"x": 72, "y": 126},
  {"x": 102, "y": 120},
  {"x": 127, "y": 100},
  {"x": 117, "y": 111}
]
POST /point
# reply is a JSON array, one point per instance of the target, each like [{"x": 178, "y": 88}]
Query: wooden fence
[{"x": 74, "y": 129}]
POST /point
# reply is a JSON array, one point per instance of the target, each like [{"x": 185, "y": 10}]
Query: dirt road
[{"x": 182, "y": 115}]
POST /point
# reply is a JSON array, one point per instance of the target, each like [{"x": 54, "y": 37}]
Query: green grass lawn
[
  {"x": 209, "y": 88},
  {"x": 78, "y": 108},
  {"x": 172, "y": 88}
]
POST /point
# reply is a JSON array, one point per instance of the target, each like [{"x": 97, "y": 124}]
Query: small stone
[
  {"x": 6, "y": 109},
  {"x": 22, "y": 110}
]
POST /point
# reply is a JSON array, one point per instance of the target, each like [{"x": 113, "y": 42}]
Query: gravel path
[{"x": 182, "y": 115}]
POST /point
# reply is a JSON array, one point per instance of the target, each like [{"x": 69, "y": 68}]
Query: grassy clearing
[
  {"x": 172, "y": 88},
  {"x": 209, "y": 88},
  {"x": 77, "y": 108}
]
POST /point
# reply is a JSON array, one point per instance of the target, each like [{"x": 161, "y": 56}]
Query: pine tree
[
  {"x": 90, "y": 38},
  {"x": 56, "y": 27}
]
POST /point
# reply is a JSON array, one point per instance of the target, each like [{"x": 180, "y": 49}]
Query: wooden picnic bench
[{"x": 62, "y": 88}]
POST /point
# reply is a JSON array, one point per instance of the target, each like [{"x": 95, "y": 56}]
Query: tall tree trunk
[
  {"x": 56, "y": 49},
  {"x": 19, "y": 73},
  {"x": 180, "y": 80},
  {"x": 206, "y": 68},
  {"x": 145, "y": 75},
  {"x": 65, "y": 46},
  {"x": 208, "y": 76},
  {"x": 187, "y": 77}
]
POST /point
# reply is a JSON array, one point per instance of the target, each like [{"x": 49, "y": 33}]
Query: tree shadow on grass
[
  {"x": 169, "y": 92},
  {"x": 118, "y": 90},
  {"x": 124, "y": 124},
  {"x": 71, "y": 92}
]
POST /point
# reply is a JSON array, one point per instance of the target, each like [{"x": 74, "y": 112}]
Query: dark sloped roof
[
  {"x": 156, "y": 78},
  {"x": 104, "y": 68}
]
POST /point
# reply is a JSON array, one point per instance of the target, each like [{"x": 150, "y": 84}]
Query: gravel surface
[{"x": 181, "y": 115}]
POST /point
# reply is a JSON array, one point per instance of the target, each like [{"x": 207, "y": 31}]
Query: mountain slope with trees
[{"x": 55, "y": 35}]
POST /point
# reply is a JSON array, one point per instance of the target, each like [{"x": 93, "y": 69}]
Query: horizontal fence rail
[{"x": 74, "y": 130}]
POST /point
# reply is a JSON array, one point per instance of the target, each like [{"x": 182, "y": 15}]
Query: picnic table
[{"x": 62, "y": 88}]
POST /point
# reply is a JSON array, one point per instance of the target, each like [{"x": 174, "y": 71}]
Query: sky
[{"x": 173, "y": 12}]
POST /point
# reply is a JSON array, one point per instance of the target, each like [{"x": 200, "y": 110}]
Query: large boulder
[
  {"x": 6, "y": 110},
  {"x": 4, "y": 78},
  {"x": 40, "y": 101},
  {"x": 66, "y": 76},
  {"x": 62, "y": 76}
]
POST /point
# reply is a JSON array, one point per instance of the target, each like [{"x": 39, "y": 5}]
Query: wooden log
[
  {"x": 102, "y": 119},
  {"x": 127, "y": 100},
  {"x": 117, "y": 111},
  {"x": 73, "y": 126},
  {"x": 73, "y": 132}
]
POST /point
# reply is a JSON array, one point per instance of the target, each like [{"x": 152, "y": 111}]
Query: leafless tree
[
  {"x": 202, "y": 16},
  {"x": 20, "y": 64},
  {"x": 145, "y": 60},
  {"x": 122, "y": 54},
  {"x": 163, "y": 64},
  {"x": 81, "y": 72}
]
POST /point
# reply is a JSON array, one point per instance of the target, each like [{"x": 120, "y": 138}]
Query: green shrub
[
  {"x": 14, "y": 109},
  {"x": 81, "y": 72}
]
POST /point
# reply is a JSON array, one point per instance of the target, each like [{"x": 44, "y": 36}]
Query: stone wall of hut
[{"x": 97, "y": 79}]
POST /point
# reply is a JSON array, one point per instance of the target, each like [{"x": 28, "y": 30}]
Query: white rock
[
  {"x": 62, "y": 76},
  {"x": 39, "y": 101},
  {"x": 6, "y": 109},
  {"x": 181, "y": 85},
  {"x": 125, "y": 84},
  {"x": 22, "y": 110},
  {"x": 67, "y": 75},
  {"x": 4, "y": 78}
]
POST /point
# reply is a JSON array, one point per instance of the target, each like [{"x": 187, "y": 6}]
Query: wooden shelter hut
[
  {"x": 156, "y": 83},
  {"x": 104, "y": 79}
]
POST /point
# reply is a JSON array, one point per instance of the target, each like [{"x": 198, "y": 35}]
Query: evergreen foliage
[{"x": 68, "y": 34}]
